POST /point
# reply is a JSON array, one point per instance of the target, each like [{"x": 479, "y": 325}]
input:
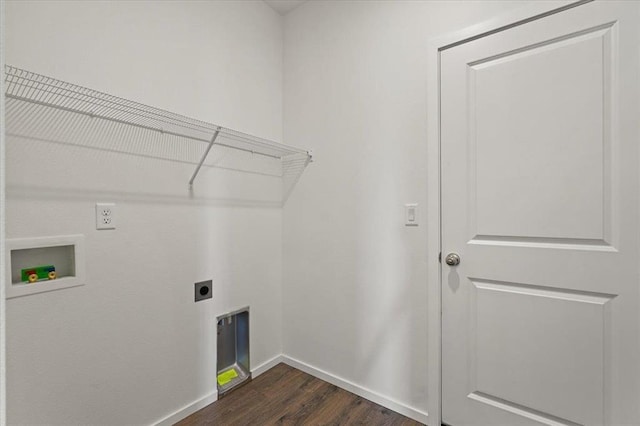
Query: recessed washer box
[{"x": 65, "y": 253}]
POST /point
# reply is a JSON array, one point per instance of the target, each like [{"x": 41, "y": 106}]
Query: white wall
[
  {"x": 131, "y": 347},
  {"x": 3, "y": 352},
  {"x": 354, "y": 295}
]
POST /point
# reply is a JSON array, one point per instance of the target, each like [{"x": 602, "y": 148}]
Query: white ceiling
[{"x": 284, "y": 6}]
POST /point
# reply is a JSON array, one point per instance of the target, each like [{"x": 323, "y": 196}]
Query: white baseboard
[
  {"x": 267, "y": 365},
  {"x": 187, "y": 410},
  {"x": 372, "y": 396}
]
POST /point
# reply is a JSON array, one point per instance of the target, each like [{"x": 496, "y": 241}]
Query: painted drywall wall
[
  {"x": 131, "y": 346},
  {"x": 3, "y": 340},
  {"x": 355, "y": 290}
]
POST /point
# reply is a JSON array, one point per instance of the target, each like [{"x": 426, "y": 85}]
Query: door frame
[{"x": 530, "y": 12}]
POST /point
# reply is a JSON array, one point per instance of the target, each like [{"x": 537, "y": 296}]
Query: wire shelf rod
[{"x": 204, "y": 157}]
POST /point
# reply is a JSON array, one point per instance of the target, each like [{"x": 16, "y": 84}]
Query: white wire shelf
[{"x": 49, "y": 109}]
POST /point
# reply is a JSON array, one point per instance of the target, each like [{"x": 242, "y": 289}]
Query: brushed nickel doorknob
[{"x": 452, "y": 259}]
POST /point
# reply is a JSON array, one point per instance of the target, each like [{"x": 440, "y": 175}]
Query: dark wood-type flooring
[{"x": 287, "y": 396}]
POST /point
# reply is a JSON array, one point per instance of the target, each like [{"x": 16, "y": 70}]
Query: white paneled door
[{"x": 540, "y": 200}]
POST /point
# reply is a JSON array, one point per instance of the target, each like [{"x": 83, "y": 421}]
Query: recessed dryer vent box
[{"x": 233, "y": 366}]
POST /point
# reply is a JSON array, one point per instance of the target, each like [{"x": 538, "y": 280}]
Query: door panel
[
  {"x": 518, "y": 347},
  {"x": 539, "y": 145},
  {"x": 544, "y": 84}
]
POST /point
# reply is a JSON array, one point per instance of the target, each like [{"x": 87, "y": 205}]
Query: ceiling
[{"x": 284, "y": 6}]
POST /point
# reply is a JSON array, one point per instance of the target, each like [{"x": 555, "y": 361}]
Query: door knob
[{"x": 452, "y": 259}]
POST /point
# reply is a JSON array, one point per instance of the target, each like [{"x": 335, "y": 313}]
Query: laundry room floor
[{"x": 285, "y": 395}]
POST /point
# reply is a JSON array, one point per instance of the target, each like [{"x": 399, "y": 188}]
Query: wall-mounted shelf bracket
[{"x": 204, "y": 157}]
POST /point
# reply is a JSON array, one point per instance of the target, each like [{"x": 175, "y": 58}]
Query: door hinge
[{"x": 440, "y": 257}]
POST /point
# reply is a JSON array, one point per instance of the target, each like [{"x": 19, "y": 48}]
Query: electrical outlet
[{"x": 105, "y": 216}]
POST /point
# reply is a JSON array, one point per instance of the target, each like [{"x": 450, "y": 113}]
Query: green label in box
[{"x": 46, "y": 272}]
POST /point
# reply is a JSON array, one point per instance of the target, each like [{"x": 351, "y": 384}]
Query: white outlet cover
[{"x": 105, "y": 216}]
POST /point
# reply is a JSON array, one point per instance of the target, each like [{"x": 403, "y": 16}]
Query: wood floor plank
[
  {"x": 287, "y": 396},
  {"x": 334, "y": 403}
]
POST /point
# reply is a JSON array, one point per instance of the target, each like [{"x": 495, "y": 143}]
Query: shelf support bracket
[{"x": 204, "y": 157}]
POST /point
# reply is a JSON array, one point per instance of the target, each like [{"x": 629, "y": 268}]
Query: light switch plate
[{"x": 411, "y": 214}]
